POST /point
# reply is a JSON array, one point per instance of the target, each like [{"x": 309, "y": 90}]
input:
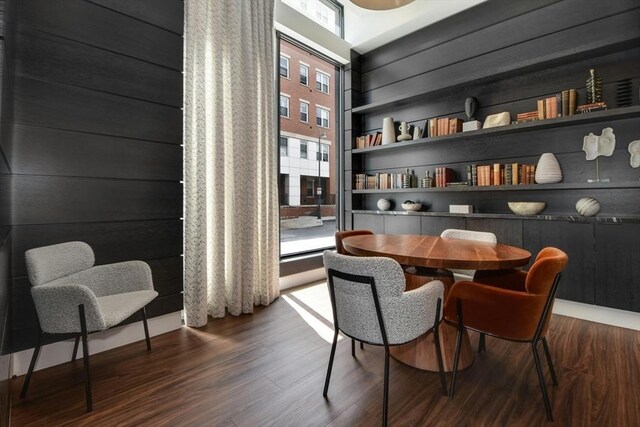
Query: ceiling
[{"x": 366, "y": 29}]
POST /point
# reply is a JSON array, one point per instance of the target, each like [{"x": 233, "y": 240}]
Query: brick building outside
[{"x": 307, "y": 110}]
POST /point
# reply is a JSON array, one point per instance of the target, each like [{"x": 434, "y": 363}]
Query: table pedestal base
[{"x": 421, "y": 352}]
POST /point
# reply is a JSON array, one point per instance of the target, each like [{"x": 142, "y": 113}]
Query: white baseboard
[
  {"x": 595, "y": 313},
  {"x": 303, "y": 278},
  {"x": 60, "y": 352}
]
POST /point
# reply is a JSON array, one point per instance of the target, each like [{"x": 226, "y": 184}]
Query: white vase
[
  {"x": 548, "y": 169},
  {"x": 388, "y": 131}
]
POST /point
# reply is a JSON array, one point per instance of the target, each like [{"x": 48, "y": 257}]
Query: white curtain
[{"x": 231, "y": 243}]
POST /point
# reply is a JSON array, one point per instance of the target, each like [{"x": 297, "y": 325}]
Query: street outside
[{"x": 296, "y": 240}]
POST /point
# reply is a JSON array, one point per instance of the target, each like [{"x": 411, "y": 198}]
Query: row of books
[
  {"x": 500, "y": 174},
  {"x": 369, "y": 140},
  {"x": 379, "y": 181},
  {"x": 443, "y": 176},
  {"x": 444, "y": 126},
  {"x": 562, "y": 104}
]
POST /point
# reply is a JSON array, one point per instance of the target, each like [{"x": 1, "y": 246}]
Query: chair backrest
[
  {"x": 541, "y": 275},
  {"x": 49, "y": 263},
  {"x": 481, "y": 236},
  {"x": 353, "y": 302},
  {"x": 341, "y": 235}
]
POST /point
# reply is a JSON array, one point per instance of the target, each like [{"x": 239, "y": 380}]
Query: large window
[
  {"x": 322, "y": 117},
  {"x": 304, "y": 74},
  {"x": 284, "y": 66},
  {"x": 304, "y": 111},
  {"x": 284, "y": 106},
  {"x": 322, "y": 82},
  {"x": 303, "y": 150}
]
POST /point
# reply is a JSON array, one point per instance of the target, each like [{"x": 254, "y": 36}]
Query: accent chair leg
[
  {"x": 549, "y": 361},
  {"x": 361, "y": 345},
  {"x": 32, "y": 365},
  {"x": 436, "y": 338},
  {"x": 75, "y": 348},
  {"x": 482, "y": 346},
  {"x": 85, "y": 358},
  {"x": 543, "y": 387},
  {"x": 146, "y": 328},
  {"x": 331, "y": 356},
  {"x": 385, "y": 397},
  {"x": 353, "y": 348},
  {"x": 456, "y": 357}
]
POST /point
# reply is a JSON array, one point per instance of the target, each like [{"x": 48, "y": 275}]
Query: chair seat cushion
[{"x": 118, "y": 307}]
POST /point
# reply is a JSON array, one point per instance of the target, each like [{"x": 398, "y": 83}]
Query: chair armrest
[
  {"x": 57, "y": 308},
  {"x": 118, "y": 278},
  {"x": 505, "y": 279},
  {"x": 413, "y": 313},
  {"x": 501, "y": 312}
]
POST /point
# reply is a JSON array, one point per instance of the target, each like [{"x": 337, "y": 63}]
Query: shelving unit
[{"x": 531, "y": 187}]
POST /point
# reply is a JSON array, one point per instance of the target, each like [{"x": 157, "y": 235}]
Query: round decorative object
[
  {"x": 527, "y": 208},
  {"x": 384, "y": 204},
  {"x": 548, "y": 169},
  {"x": 588, "y": 206},
  {"x": 411, "y": 206}
]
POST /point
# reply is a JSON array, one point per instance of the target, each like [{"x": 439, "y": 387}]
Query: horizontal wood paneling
[
  {"x": 104, "y": 28},
  {"x": 50, "y": 200},
  {"x": 39, "y": 103},
  {"x": 111, "y": 241},
  {"x": 47, "y": 151},
  {"x": 164, "y": 14},
  {"x": 55, "y": 59}
]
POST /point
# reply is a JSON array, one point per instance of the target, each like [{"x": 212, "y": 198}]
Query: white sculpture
[
  {"x": 601, "y": 145},
  {"x": 588, "y": 206},
  {"x": 404, "y": 132},
  {"x": 388, "y": 131},
  {"x": 548, "y": 170},
  {"x": 634, "y": 150},
  {"x": 383, "y": 204}
]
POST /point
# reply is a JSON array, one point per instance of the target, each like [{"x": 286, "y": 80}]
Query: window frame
[
  {"x": 288, "y": 59},
  {"x": 305, "y": 66},
  {"x": 324, "y": 152},
  {"x": 307, "y": 112},
  {"x": 284, "y": 139},
  {"x": 306, "y": 149},
  {"x": 288, "y": 98},
  {"x": 318, "y": 82},
  {"x": 319, "y": 118}
]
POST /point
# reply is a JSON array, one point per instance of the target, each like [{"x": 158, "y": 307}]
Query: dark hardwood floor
[{"x": 268, "y": 369}]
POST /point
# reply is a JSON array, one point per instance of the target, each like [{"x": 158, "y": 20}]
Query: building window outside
[
  {"x": 304, "y": 74},
  {"x": 322, "y": 82},
  {"x": 327, "y": 13},
  {"x": 284, "y": 106},
  {"x": 322, "y": 117},
  {"x": 325, "y": 152},
  {"x": 310, "y": 185},
  {"x": 284, "y": 66},
  {"x": 284, "y": 146},
  {"x": 303, "y": 149},
  {"x": 304, "y": 112}
]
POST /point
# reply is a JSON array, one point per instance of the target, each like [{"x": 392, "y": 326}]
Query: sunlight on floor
[{"x": 313, "y": 305}]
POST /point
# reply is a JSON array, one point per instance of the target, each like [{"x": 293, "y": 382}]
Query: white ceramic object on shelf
[
  {"x": 527, "y": 208},
  {"x": 404, "y": 132},
  {"x": 384, "y": 204},
  {"x": 412, "y": 207},
  {"x": 588, "y": 206},
  {"x": 634, "y": 151},
  {"x": 599, "y": 145},
  {"x": 417, "y": 132},
  {"x": 548, "y": 169},
  {"x": 388, "y": 131},
  {"x": 495, "y": 120}
]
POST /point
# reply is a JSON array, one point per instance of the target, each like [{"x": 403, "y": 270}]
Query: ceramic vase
[
  {"x": 548, "y": 169},
  {"x": 588, "y": 206},
  {"x": 388, "y": 131}
]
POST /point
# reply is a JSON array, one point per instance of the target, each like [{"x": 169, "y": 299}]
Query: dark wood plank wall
[
  {"x": 508, "y": 55},
  {"x": 95, "y": 141}
]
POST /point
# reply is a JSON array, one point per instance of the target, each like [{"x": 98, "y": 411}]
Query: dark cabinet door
[
  {"x": 577, "y": 240},
  {"x": 368, "y": 222},
  {"x": 507, "y": 231},
  {"x": 618, "y": 266},
  {"x": 401, "y": 224},
  {"x": 435, "y": 225}
]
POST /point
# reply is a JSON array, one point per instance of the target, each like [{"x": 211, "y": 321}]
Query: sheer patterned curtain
[{"x": 231, "y": 219}]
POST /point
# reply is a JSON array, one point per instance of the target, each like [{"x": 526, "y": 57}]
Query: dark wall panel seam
[
  {"x": 109, "y": 178},
  {"x": 98, "y": 222},
  {"x": 133, "y": 17},
  {"x": 497, "y": 50}
]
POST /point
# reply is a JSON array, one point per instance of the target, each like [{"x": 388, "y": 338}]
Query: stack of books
[
  {"x": 444, "y": 126},
  {"x": 500, "y": 174},
  {"x": 379, "y": 181},
  {"x": 527, "y": 117},
  {"x": 561, "y": 104},
  {"x": 443, "y": 176},
  {"x": 369, "y": 140},
  {"x": 587, "y": 108}
]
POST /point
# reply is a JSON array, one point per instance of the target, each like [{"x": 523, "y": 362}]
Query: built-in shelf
[
  {"x": 528, "y": 187},
  {"x": 572, "y": 217},
  {"x": 576, "y": 119}
]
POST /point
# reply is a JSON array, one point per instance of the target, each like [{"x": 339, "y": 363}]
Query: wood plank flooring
[{"x": 268, "y": 369}]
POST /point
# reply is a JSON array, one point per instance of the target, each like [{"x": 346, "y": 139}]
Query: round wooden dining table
[{"x": 427, "y": 258}]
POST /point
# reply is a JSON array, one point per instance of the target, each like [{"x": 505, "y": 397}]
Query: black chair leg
[
  {"x": 75, "y": 348},
  {"x": 353, "y": 347},
  {"x": 543, "y": 387},
  {"x": 331, "y": 356},
  {"x": 385, "y": 397},
  {"x": 549, "y": 361},
  {"x": 361, "y": 345},
  {"x": 32, "y": 365},
  {"x": 146, "y": 328},
  {"x": 85, "y": 358},
  {"x": 436, "y": 338},
  {"x": 481, "y": 344},
  {"x": 456, "y": 357}
]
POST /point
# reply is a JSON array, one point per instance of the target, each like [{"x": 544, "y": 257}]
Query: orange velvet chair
[{"x": 509, "y": 304}]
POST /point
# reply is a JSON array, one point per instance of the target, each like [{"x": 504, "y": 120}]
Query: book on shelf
[
  {"x": 527, "y": 117},
  {"x": 443, "y": 176},
  {"x": 497, "y": 174},
  {"x": 433, "y": 127},
  {"x": 573, "y": 101},
  {"x": 370, "y": 140},
  {"x": 587, "y": 108},
  {"x": 565, "y": 102},
  {"x": 455, "y": 125}
]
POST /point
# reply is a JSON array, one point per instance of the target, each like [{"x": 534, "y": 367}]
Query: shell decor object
[
  {"x": 634, "y": 150},
  {"x": 548, "y": 169},
  {"x": 384, "y": 204},
  {"x": 599, "y": 145},
  {"x": 588, "y": 206}
]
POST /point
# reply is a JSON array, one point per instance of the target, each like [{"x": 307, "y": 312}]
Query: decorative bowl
[
  {"x": 527, "y": 208},
  {"x": 412, "y": 207}
]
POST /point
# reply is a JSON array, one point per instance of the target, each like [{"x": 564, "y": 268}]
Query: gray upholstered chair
[
  {"x": 370, "y": 305},
  {"x": 480, "y": 236},
  {"x": 72, "y": 296}
]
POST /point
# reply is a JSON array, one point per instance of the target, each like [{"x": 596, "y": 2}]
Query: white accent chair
[{"x": 480, "y": 236}]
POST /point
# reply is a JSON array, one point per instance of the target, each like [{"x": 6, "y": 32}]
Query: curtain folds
[{"x": 231, "y": 241}]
